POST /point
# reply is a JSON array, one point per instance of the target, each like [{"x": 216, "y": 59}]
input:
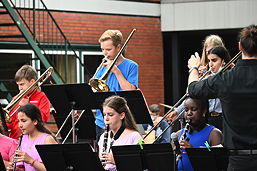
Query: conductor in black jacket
[{"x": 237, "y": 90}]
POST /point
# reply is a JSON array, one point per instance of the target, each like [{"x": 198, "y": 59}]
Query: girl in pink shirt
[
  {"x": 34, "y": 133},
  {"x": 7, "y": 148}
]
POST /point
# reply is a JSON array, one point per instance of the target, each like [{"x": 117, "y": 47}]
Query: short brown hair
[
  {"x": 248, "y": 40},
  {"x": 26, "y": 72},
  {"x": 154, "y": 108},
  {"x": 114, "y": 35}
]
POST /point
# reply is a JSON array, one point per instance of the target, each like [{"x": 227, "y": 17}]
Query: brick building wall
[{"x": 145, "y": 47}]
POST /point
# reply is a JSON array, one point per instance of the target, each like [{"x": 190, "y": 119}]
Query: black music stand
[
  {"x": 69, "y": 157},
  {"x": 159, "y": 156},
  {"x": 2, "y": 167},
  {"x": 136, "y": 103},
  {"x": 214, "y": 160},
  {"x": 68, "y": 97},
  {"x": 128, "y": 157},
  {"x": 153, "y": 157}
]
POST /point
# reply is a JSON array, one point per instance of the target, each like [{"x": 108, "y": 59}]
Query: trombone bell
[
  {"x": 98, "y": 85},
  {"x": 8, "y": 117}
]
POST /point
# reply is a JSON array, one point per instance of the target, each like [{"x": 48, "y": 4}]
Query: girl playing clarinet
[
  {"x": 198, "y": 131},
  {"x": 122, "y": 129},
  {"x": 34, "y": 133}
]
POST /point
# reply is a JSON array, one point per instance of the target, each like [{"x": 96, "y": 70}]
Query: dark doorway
[
  {"x": 92, "y": 62},
  {"x": 10, "y": 63}
]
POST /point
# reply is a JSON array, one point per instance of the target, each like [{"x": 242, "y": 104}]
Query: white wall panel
[
  {"x": 208, "y": 15},
  {"x": 106, "y": 6}
]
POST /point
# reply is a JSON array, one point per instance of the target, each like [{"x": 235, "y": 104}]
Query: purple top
[
  {"x": 29, "y": 147},
  {"x": 130, "y": 139}
]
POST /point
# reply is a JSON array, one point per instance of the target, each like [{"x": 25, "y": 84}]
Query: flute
[{"x": 18, "y": 148}]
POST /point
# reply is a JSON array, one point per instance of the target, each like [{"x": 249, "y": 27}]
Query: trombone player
[
  {"x": 124, "y": 74},
  {"x": 24, "y": 78}
]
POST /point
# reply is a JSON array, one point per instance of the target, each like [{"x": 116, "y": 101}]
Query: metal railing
[{"x": 48, "y": 35}]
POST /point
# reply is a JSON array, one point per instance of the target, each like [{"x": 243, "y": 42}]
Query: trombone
[
  {"x": 100, "y": 84},
  {"x": 226, "y": 66},
  {"x": 165, "y": 105},
  {"x": 33, "y": 87}
]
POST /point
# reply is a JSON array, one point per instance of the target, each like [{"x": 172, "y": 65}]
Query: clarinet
[
  {"x": 18, "y": 148},
  {"x": 183, "y": 137},
  {"x": 186, "y": 131},
  {"x": 105, "y": 139}
]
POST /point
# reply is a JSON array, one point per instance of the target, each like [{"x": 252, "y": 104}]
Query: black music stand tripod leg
[{"x": 74, "y": 135}]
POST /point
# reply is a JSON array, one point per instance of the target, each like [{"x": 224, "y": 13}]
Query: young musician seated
[
  {"x": 25, "y": 77},
  {"x": 197, "y": 131},
  {"x": 155, "y": 115},
  {"x": 209, "y": 42},
  {"x": 217, "y": 57},
  {"x": 122, "y": 129},
  {"x": 34, "y": 133}
]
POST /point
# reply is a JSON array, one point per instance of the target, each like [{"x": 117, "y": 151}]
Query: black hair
[
  {"x": 34, "y": 113},
  {"x": 221, "y": 52},
  {"x": 204, "y": 104}
]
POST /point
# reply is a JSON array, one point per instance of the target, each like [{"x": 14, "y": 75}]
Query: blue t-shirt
[
  {"x": 197, "y": 139},
  {"x": 129, "y": 69}
]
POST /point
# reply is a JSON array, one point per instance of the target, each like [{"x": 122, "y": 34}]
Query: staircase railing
[{"x": 48, "y": 35}]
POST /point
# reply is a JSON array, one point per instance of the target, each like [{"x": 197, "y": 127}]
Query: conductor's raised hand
[{"x": 194, "y": 61}]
